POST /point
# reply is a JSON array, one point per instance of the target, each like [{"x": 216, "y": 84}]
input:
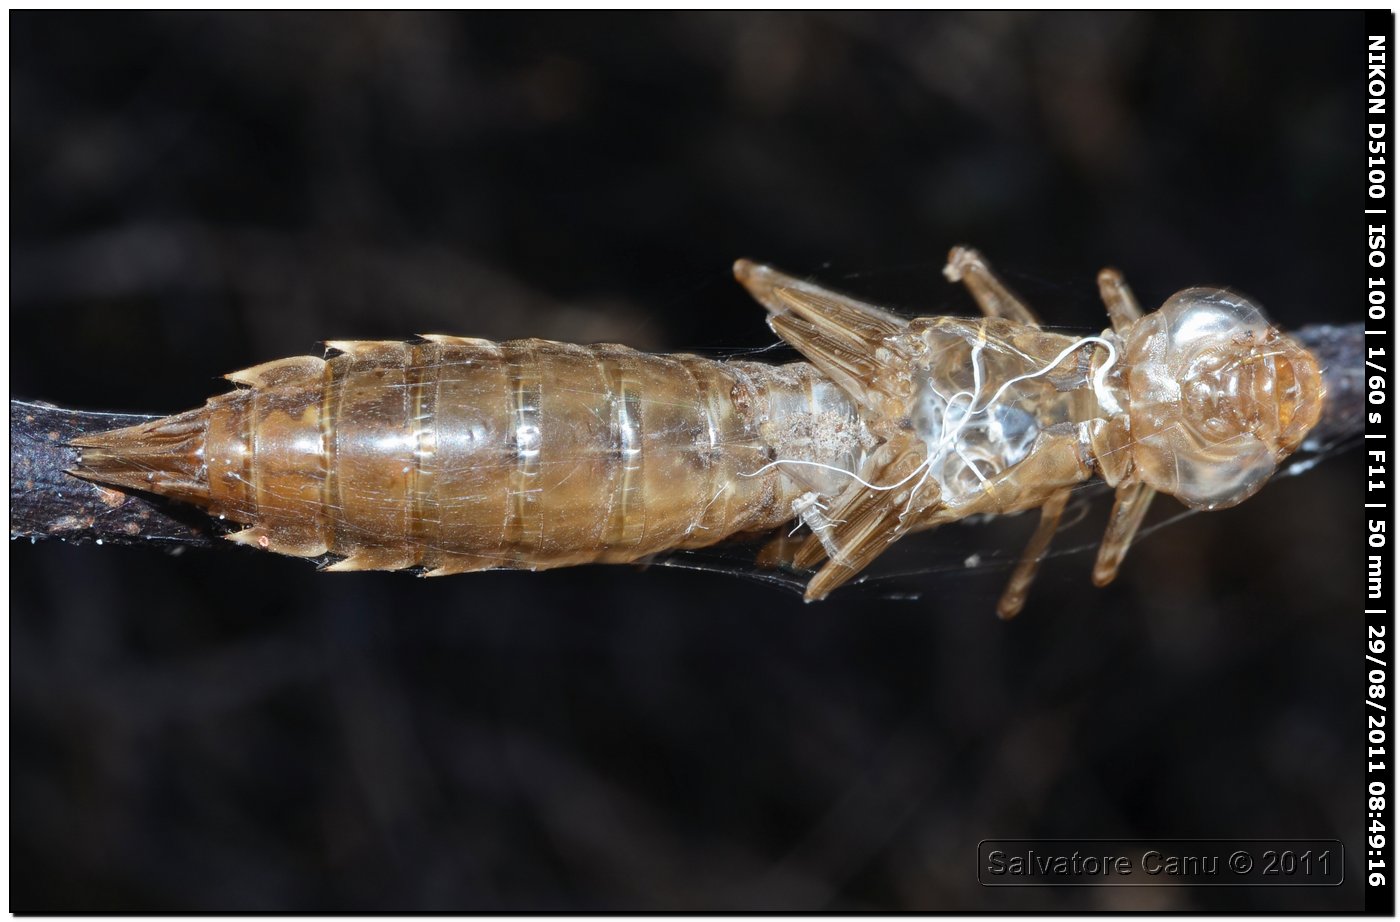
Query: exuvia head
[{"x": 1217, "y": 397}]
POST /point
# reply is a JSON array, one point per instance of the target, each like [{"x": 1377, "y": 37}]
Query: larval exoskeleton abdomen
[{"x": 455, "y": 454}]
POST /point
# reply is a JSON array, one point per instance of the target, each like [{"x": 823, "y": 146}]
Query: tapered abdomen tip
[{"x": 163, "y": 456}]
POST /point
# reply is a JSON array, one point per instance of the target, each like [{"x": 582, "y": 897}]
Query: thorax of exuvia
[{"x": 987, "y": 391}]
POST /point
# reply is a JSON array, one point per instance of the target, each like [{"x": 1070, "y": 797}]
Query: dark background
[{"x": 192, "y": 194}]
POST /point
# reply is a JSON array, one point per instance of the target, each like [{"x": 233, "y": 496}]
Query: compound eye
[
  {"x": 1210, "y": 319},
  {"x": 1203, "y": 476},
  {"x": 1225, "y": 479}
]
